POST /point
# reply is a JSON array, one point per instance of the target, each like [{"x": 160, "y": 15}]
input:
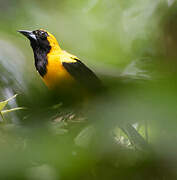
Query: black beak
[{"x": 29, "y": 34}]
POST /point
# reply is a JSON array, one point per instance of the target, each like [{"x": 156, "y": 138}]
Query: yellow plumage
[{"x": 57, "y": 75}]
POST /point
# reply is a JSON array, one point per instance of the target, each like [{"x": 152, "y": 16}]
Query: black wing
[{"x": 83, "y": 75}]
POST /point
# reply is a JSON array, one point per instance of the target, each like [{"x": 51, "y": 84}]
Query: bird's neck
[{"x": 55, "y": 49}]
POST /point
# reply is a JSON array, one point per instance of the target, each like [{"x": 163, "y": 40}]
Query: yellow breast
[{"x": 57, "y": 76}]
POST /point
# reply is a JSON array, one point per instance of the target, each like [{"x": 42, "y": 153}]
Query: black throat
[{"x": 40, "y": 56}]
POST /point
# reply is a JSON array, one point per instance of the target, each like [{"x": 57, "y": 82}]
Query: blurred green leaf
[
  {"x": 83, "y": 139},
  {"x": 11, "y": 110},
  {"x": 4, "y": 103}
]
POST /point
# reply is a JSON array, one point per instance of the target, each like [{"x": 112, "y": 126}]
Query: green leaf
[
  {"x": 4, "y": 103},
  {"x": 83, "y": 139},
  {"x": 11, "y": 110}
]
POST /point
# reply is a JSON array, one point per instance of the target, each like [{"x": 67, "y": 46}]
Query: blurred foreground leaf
[
  {"x": 83, "y": 139},
  {"x": 11, "y": 110},
  {"x": 4, "y": 103}
]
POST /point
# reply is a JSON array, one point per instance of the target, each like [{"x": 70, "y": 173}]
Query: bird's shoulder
[
  {"x": 66, "y": 57},
  {"x": 80, "y": 72}
]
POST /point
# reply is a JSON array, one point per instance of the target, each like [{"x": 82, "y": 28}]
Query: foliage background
[{"x": 131, "y": 45}]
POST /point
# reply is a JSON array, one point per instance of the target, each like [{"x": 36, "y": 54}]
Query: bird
[
  {"x": 60, "y": 70},
  {"x": 67, "y": 74}
]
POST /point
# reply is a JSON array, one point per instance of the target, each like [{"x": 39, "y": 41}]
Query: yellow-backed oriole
[{"x": 59, "y": 69}]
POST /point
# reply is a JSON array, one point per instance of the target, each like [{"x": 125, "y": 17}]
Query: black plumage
[{"x": 83, "y": 75}]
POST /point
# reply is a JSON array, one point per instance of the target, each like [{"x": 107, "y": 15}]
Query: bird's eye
[
  {"x": 35, "y": 32},
  {"x": 43, "y": 35}
]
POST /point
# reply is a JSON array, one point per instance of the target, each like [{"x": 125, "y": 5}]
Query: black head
[
  {"x": 41, "y": 47},
  {"x": 38, "y": 39}
]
